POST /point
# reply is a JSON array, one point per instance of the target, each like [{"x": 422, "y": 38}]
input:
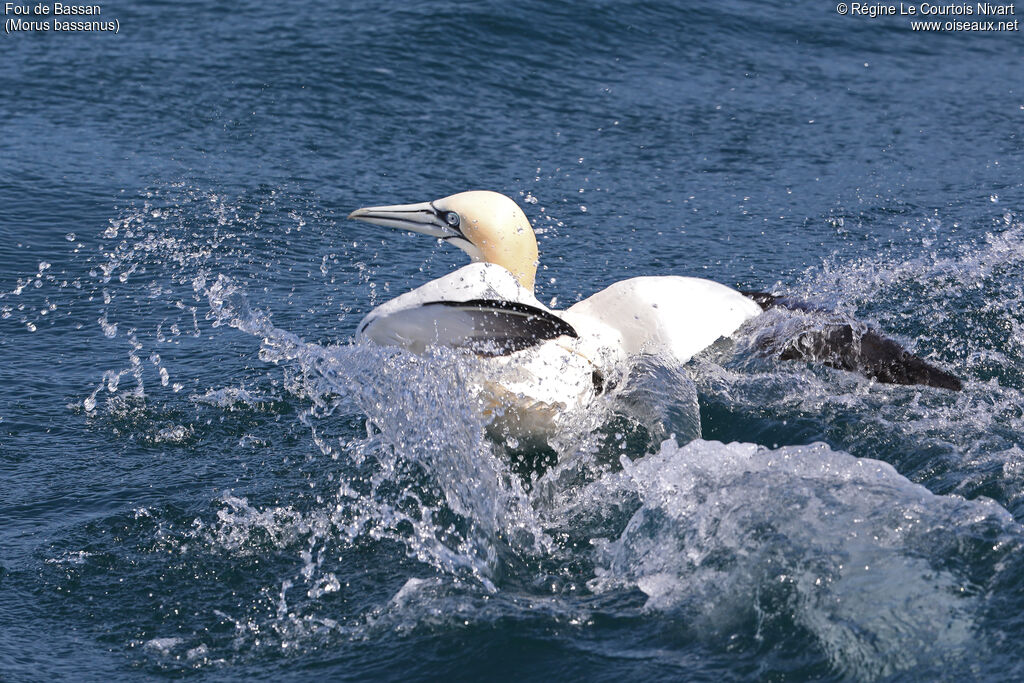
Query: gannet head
[{"x": 488, "y": 226}]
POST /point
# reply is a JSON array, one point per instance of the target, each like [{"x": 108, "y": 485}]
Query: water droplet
[{"x": 109, "y": 329}]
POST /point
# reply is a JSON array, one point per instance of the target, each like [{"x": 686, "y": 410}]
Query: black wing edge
[
  {"x": 868, "y": 353},
  {"x": 531, "y": 325},
  {"x": 547, "y": 324}
]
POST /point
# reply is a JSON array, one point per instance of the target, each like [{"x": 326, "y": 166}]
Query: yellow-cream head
[{"x": 488, "y": 226}]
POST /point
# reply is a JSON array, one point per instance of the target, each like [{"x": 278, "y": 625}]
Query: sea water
[{"x": 202, "y": 474}]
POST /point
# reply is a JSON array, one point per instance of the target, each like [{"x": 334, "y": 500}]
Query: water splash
[
  {"x": 741, "y": 539},
  {"x": 959, "y": 308},
  {"x": 739, "y": 546}
]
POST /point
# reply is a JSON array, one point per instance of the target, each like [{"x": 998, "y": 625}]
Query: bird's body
[
  {"x": 671, "y": 317},
  {"x": 668, "y": 316},
  {"x": 540, "y": 364}
]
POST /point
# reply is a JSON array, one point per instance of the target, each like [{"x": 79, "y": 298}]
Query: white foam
[{"x": 845, "y": 547}]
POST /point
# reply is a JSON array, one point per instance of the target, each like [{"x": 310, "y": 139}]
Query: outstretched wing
[
  {"x": 487, "y": 327},
  {"x": 840, "y": 345},
  {"x": 869, "y": 353}
]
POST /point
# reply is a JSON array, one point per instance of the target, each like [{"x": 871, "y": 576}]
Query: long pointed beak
[{"x": 422, "y": 218}]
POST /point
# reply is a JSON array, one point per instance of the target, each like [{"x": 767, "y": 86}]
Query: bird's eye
[{"x": 452, "y": 219}]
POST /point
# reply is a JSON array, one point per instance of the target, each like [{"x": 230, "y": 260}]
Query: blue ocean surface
[{"x": 203, "y": 476}]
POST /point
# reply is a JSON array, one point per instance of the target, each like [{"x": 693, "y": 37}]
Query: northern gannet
[{"x": 544, "y": 361}]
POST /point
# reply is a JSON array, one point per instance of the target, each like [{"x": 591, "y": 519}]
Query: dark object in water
[
  {"x": 488, "y": 327},
  {"x": 839, "y": 345}
]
